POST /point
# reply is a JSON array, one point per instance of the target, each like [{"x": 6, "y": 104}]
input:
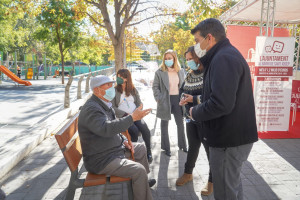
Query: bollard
[
  {"x": 79, "y": 87},
  {"x": 87, "y": 85},
  {"x": 67, "y": 92}
]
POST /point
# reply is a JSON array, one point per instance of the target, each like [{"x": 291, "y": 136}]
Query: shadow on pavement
[{"x": 34, "y": 176}]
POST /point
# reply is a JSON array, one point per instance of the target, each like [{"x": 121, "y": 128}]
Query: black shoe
[
  {"x": 150, "y": 159},
  {"x": 184, "y": 149},
  {"x": 168, "y": 153},
  {"x": 151, "y": 182}
]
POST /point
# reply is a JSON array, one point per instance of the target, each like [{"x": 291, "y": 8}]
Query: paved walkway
[
  {"x": 28, "y": 114},
  {"x": 272, "y": 171}
]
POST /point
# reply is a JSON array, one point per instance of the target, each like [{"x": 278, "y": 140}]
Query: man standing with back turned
[{"x": 227, "y": 110}]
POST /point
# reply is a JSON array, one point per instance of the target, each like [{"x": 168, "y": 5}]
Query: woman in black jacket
[{"x": 191, "y": 91}]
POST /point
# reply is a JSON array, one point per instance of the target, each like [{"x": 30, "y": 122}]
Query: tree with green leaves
[
  {"x": 124, "y": 14},
  {"x": 60, "y": 23},
  {"x": 177, "y": 36}
]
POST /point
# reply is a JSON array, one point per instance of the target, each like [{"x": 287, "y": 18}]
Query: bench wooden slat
[
  {"x": 66, "y": 133},
  {"x": 73, "y": 155},
  {"x": 94, "y": 179},
  {"x": 117, "y": 179}
]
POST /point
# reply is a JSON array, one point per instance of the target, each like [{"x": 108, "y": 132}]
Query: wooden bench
[{"x": 69, "y": 143}]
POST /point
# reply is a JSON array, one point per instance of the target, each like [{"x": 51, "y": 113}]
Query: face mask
[
  {"x": 199, "y": 52},
  {"x": 169, "y": 63},
  {"x": 192, "y": 64},
  {"x": 120, "y": 81},
  {"x": 110, "y": 93}
]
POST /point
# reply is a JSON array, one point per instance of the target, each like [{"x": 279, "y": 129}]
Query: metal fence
[{"x": 86, "y": 77}]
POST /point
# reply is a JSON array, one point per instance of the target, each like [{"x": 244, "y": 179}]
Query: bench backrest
[{"x": 69, "y": 142}]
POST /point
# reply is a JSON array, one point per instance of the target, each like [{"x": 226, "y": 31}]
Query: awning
[{"x": 286, "y": 11}]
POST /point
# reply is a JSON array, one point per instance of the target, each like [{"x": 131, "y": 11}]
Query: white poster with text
[
  {"x": 274, "y": 51},
  {"x": 273, "y": 82},
  {"x": 272, "y": 103}
]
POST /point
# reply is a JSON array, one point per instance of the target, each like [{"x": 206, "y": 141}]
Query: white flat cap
[{"x": 100, "y": 80}]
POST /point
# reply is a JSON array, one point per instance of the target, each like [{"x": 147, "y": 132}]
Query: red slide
[{"x": 13, "y": 76}]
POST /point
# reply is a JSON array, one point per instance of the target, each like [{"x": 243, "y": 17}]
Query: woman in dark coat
[{"x": 191, "y": 91}]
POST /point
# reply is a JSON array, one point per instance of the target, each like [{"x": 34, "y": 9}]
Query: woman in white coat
[{"x": 167, "y": 81}]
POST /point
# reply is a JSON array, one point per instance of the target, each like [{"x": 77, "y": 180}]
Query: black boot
[
  {"x": 149, "y": 156},
  {"x": 151, "y": 182}
]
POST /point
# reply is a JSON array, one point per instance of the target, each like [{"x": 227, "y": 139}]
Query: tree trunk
[
  {"x": 118, "y": 56},
  {"x": 62, "y": 64},
  {"x": 73, "y": 69}
]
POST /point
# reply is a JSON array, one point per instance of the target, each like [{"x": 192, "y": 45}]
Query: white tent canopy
[{"x": 286, "y": 11}]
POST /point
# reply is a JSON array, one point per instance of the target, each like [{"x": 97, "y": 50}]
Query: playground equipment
[{"x": 13, "y": 76}]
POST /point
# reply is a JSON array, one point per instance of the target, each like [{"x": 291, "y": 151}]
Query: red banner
[
  {"x": 272, "y": 78},
  {"x": 295, "y": 95},
  {"x": 273, "y": 71}
]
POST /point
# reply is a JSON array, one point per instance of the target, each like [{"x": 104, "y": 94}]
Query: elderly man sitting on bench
[{"x": 105, "y": 150}]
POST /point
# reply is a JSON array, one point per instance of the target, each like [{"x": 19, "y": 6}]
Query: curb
[{"x": 33, "y": 136}]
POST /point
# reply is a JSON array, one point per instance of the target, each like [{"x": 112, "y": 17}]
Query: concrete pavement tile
[
  {"x": 247, "y": 170},
  {"x": 197, "y": 187},
  {"x": 78, "y": 194},
  {"x": 259, "y": 193},
  {"x": 162, "y": 183},
  {"x": 93, "y": 190},
  {"x": 270, "y": 179},
  {"x": 294, "y": 186},
  {"x": 39, "y": 188},
  {"x": 57, "y": 194},
  {"x": 286, "y": 167},
  {"x": 198, "y": 196},
  {"x": 256, "y": 179},
  {"x": 260, "y": 170},
  {"x": 246, "y": 181},
  {"x": 186, "y": 197},
  {"x": 290, "y": 154},
  {"x": 163, "y": 198},
  {"x": 62, "y": 182},
  {"x": 172, "y": 183},
  {"x": 165, "y": 192},
  {"x": 100, "y": 197},
  {"x": 181, "y": 191},
  {"x": 283, "y": 192},
  {"x": 43, "y": 161},
  {"x": 17, "y": 186},
  {"x": 288, "y": 176},
  {"x": 16, "y": 196}
]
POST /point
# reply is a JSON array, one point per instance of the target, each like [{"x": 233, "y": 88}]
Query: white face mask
[{"x": 199, "y": 52}]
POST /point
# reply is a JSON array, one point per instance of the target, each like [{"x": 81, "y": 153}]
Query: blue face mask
[
  {"x": 169, "y": 63},
  {"x": 110, "y": 93},
  {"x": 192, "y": 64}
]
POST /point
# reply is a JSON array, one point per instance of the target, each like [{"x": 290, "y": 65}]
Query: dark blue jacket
[{"x": 227, "y": 110}]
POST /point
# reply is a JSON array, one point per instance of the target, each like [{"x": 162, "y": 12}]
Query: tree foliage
[
  {"x": 177, "y": 36},
  {"x": 60, "y": 23},
  {"x": 125, "y": 14}
]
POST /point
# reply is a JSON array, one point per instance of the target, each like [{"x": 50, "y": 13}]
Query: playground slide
[{"x": 13, "y": 76}]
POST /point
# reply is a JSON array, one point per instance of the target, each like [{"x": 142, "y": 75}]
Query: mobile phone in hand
[{"x": 182, "y": 96}]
